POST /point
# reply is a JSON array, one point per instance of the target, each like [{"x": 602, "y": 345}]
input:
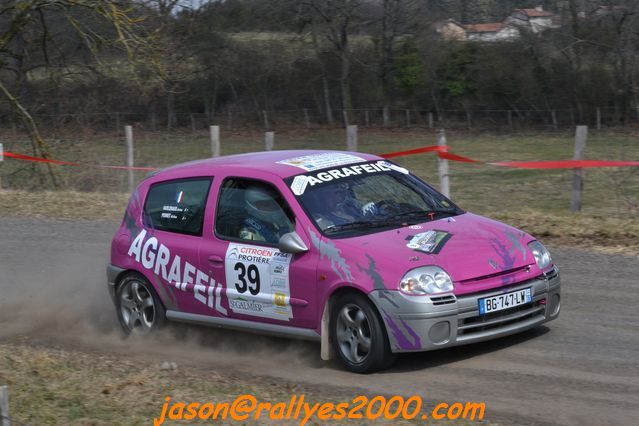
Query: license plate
[{"x": 504, "y": 301}]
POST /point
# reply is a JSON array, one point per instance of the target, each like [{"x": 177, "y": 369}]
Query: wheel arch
[
  {"x": 114, "y": 277},
  {"x": 327, "y": 351}
]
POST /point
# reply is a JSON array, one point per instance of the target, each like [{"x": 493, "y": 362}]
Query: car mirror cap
[{"x": 292, "y": 243}]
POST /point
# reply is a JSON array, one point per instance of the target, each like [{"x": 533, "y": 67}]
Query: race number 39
[
  {"x": 251, "y": 273},
  {"x": 257, "y": 281}
]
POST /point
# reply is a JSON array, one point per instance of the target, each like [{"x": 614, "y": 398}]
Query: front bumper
[{"x": 422, "y": 323}]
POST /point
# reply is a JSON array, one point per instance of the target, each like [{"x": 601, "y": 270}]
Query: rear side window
[{"x": 177, "y": 206}]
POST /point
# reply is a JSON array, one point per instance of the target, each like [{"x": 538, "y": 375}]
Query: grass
[
  {"x": 49, "y": 386},
  {"x": 536, "y": 200},
  {"x": 53, "y": 386}
]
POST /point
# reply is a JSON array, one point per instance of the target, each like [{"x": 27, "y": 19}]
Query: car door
[
  {"x": 173, "y": 218},
  {"x": 261, "y": 283}
]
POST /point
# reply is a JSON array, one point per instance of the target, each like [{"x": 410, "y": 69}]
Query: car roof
[{"x": 244, "y": 164}]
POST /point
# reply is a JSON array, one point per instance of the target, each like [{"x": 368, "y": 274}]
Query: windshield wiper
[{"x": 356, "y": 225}]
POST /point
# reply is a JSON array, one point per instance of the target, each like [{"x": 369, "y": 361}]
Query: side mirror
[{"x": 292, "y": 243}]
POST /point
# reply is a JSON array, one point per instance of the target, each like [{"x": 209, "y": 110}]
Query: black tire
[
  {"x": 350, "y": 338},
  {"x": 139, "y": 311}
]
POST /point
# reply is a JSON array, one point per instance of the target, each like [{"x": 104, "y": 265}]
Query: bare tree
[
  {"x": 397, "y": 20},
  {"x": 20, "y": 17},
  {"x": 333, "y": 22},
  {"x": 172, "y": 23}
]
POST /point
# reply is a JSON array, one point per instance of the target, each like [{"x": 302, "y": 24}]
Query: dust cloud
[{"x": 53, "y": 291}]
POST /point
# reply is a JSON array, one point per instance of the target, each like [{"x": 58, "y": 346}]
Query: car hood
[{"x": 478, "y": 253}]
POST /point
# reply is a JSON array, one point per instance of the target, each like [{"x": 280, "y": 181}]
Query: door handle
[{"x": 216, "y": 261}]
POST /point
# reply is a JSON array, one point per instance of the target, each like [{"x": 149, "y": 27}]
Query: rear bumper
[
  {"x": 112, "y": 275},
  {"x": 425, "y": 323}
]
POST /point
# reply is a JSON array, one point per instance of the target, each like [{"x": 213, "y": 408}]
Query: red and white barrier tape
[
  {"x": 442, "y": 152},
  {"x": 69, "y": 163}
]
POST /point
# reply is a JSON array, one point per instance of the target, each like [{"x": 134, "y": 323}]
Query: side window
[
  {"x": 251, "y": 210},
  {"x": 177, "y": 206}
]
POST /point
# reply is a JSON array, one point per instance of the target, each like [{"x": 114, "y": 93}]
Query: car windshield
[{"x": 369, "y": 197}]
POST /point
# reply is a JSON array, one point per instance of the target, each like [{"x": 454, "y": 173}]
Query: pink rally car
[{"x": 340, "y": 247}]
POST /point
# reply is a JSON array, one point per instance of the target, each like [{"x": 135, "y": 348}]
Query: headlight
[
  {"x": 542, "y": 256},
  {"x": 426, "y": 280}
]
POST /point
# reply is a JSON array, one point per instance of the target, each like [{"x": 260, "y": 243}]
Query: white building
[{"x": 535, "y": 20}]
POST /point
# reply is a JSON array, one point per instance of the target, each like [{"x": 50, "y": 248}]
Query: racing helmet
[{"x": 261, "y": 203}]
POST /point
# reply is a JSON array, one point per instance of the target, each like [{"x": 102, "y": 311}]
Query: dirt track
[{"x": 581, "y": 369}]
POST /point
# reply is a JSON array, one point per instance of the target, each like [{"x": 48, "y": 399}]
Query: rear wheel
[
  {"x": 139, "y": 309},
  {"x": 358, "y": 335}
]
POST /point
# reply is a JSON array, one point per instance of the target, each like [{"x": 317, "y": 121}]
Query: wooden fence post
[
  {"x": 307, "y": 120},
  {"x": 128, "y": 131},
  {"x": 598, "y": 118},
  {"x": 266, "y": 123},
  {"x": 154, "y": 120},
  {"x": 367, "y": 118},
  {"x": 407, "y": 117},
  {"x": 581, "y": 136},
  {"x": 214, "y": 133},
  {"x": 4, "y": 406},
  {"x": 444, "y": 182},
  {"x": 430, "y": 120},
  {"x": 345, "y": 117},
  {"x": 351, "y": 138},
  {"x": 269, "y": 140},
  {"x": 229, "y": 120},
  {"x": 192, "y": 123},
  {"x": 553, "y": 116},
  {"x": 386, "y": 116}
]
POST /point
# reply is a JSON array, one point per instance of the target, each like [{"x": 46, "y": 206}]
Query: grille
[
  {"x": 443, "y": 300},
  {"x": 498, "y": 319},
  {"x": 552, "y": 273}
]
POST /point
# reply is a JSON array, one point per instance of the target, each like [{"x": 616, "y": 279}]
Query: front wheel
[
  {"x": 358, "y": 335},
  {"x": 139, "y": 309}
]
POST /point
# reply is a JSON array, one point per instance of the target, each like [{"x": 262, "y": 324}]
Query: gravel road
[{"x": 580, "y": 369}]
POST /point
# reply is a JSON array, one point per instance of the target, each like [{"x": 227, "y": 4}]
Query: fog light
[{"x": 440, "y": 332}]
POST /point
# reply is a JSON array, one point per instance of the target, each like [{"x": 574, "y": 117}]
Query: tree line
[{"x": 161, "y": 58}]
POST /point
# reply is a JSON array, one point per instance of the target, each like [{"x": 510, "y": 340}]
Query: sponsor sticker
[
  {"x": 430, "y": 242},
  {"x": 153, "y": 255},
  {"x": 321, "y": 161},
  {"x": 301, "y": 182},
  {"x": 257, "y": 281},
  {"x": 394, "y": 167}
]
